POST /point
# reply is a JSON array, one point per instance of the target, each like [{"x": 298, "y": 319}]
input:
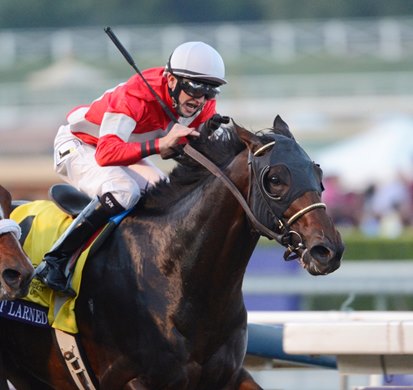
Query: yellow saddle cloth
[{"x": 48, "y": 223}]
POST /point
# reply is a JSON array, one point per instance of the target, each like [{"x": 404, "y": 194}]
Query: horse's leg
[
  {"x": 245, "y": 381},
  {"x": 3, "y": 384},
  {"x": 3, "y": 380},
  {"x": 134, "y": 384},
  {"x": 18, "y": 377},
  {"x": 26, "y": 384}
]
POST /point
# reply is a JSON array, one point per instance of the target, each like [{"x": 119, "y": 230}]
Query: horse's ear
[
  {"x": 250, "y": 139},
  {"x": 281, "y": 127},
  {"x": 5, "y": 200}
]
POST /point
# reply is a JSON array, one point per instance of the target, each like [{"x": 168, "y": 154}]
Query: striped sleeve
[{"x": 111, "y": 150}]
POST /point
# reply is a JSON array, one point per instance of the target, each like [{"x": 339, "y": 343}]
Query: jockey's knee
[{"x": 127, "y": 197}]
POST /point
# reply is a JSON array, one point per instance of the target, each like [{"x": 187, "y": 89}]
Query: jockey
[{"x": 103, "y": 147}]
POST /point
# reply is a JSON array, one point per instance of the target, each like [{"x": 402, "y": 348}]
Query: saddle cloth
[{"x": 42, "y": 223}]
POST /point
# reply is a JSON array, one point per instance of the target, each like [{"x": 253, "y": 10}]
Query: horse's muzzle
[
  {"x": 14, "y": 284},
  {"x": 322, "y": 259}
]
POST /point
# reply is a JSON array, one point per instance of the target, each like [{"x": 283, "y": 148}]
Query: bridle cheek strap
[
  {"x": 210, "y": 166},
  {"x": 258, "y": 226}
]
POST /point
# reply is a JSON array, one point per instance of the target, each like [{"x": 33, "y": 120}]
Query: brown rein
[{"x": 208, "y": 164}]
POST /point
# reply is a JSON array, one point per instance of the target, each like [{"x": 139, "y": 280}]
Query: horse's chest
[
  {"x": 204, "y": 364},
  {"x": 192, "y": 375}
]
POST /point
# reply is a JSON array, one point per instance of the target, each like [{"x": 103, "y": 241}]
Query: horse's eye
[
  {"x": 274, "y": 184},
  {"x": 274, "y": 180}
]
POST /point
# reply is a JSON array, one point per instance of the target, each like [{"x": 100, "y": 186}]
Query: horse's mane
[{"x": 189, "y": 175}]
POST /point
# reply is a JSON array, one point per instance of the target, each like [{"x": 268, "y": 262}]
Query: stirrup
[
  {"x": 60, "y": 290},
  {"x": 42, "y": 273},
  {"x": 67, "y": 290}
]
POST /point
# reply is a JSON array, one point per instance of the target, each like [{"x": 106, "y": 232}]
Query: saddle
[{"x": 68, "y": 199}]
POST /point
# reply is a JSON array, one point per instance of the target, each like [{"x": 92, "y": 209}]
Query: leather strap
[
  {"x": 73, "y": 359},
  {"x": 208, "y": 164}
]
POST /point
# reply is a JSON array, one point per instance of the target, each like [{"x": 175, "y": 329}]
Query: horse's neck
[
  {"x": 212, "y": 235},
  {"x": 198, "y": 248},
  {"x": 195, "y": 253}
]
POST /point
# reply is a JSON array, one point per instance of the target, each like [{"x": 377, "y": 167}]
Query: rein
[
  {"x": 211, "y": 167},
  {"x": 283, "y": 238}
]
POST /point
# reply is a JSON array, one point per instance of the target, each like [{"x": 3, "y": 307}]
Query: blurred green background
[{"x": 49, "y": 13}]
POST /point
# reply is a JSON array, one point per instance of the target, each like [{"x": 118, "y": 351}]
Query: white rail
[
  {"x": 377, "y": 344},
  {"x": 379, "y": 279},
  {"x": 282, "y": 317}
]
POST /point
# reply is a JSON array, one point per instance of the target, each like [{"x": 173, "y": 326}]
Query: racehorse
[
  {"x": 16, "y": 269},
  {"x": 161, "y": 304}
]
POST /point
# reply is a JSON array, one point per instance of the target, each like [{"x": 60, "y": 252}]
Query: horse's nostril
[
  {"x": 12, "y": 277},
  {"x": 320, "y": 252}
]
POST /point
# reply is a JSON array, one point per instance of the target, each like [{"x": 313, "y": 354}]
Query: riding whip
[
  {"x": 132, "y": 63},
  {"x": 214, "y": 121}
]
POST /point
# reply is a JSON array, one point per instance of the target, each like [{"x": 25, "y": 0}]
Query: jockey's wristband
[{"x": 149, "y": 147}]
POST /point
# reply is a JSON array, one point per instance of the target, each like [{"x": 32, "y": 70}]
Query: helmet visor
[{"x": 198, "y": 90}]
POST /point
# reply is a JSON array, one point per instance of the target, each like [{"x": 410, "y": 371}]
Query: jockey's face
[{"x": 186, "y": 105}]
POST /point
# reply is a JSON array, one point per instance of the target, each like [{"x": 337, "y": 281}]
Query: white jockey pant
[{"x": 75, "y": 163}]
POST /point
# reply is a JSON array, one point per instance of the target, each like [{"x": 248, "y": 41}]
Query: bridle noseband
[
  {"x": 300, "y": 247},
  {"x": 285, "y": 234}
]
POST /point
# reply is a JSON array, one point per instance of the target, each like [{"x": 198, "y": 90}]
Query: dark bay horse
[
  {"x": 161, "y": 304},
  {"x": 16, "y": 269}
]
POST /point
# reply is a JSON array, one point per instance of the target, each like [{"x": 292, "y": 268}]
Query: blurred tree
[
  {"x": 52, "y": 13},
  {"x": 322, "y": 9}
]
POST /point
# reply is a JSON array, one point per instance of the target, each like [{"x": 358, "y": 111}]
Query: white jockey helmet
[{"x": 199, "y": 62}]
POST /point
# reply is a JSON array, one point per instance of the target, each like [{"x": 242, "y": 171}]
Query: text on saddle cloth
[{"x": 47, "y": 223}]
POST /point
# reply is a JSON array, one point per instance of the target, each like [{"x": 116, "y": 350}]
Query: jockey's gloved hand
[
  {"x": 212, "y": 124},
  {"x": 216, "y": 121}
]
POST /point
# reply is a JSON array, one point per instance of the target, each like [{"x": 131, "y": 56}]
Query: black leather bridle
[{"x": 286, "y": 236}]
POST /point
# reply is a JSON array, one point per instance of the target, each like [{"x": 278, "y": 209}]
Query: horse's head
[
  {"x": 16, "y": 269},
  {"x": 285, "y": 197}
]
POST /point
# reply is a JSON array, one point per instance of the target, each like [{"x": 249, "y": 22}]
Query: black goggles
[{"x": 198, "y": 90}]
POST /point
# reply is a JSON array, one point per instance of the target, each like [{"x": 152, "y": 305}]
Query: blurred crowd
[{"x": 378, "y": 210}]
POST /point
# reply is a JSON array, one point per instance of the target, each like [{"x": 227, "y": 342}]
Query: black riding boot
[{"x": 51, "y": 271}]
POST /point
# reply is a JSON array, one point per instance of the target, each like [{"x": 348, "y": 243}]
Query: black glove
[
  {"x": 215, "y": 122},
  {"x": 212, "y": 124}
]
